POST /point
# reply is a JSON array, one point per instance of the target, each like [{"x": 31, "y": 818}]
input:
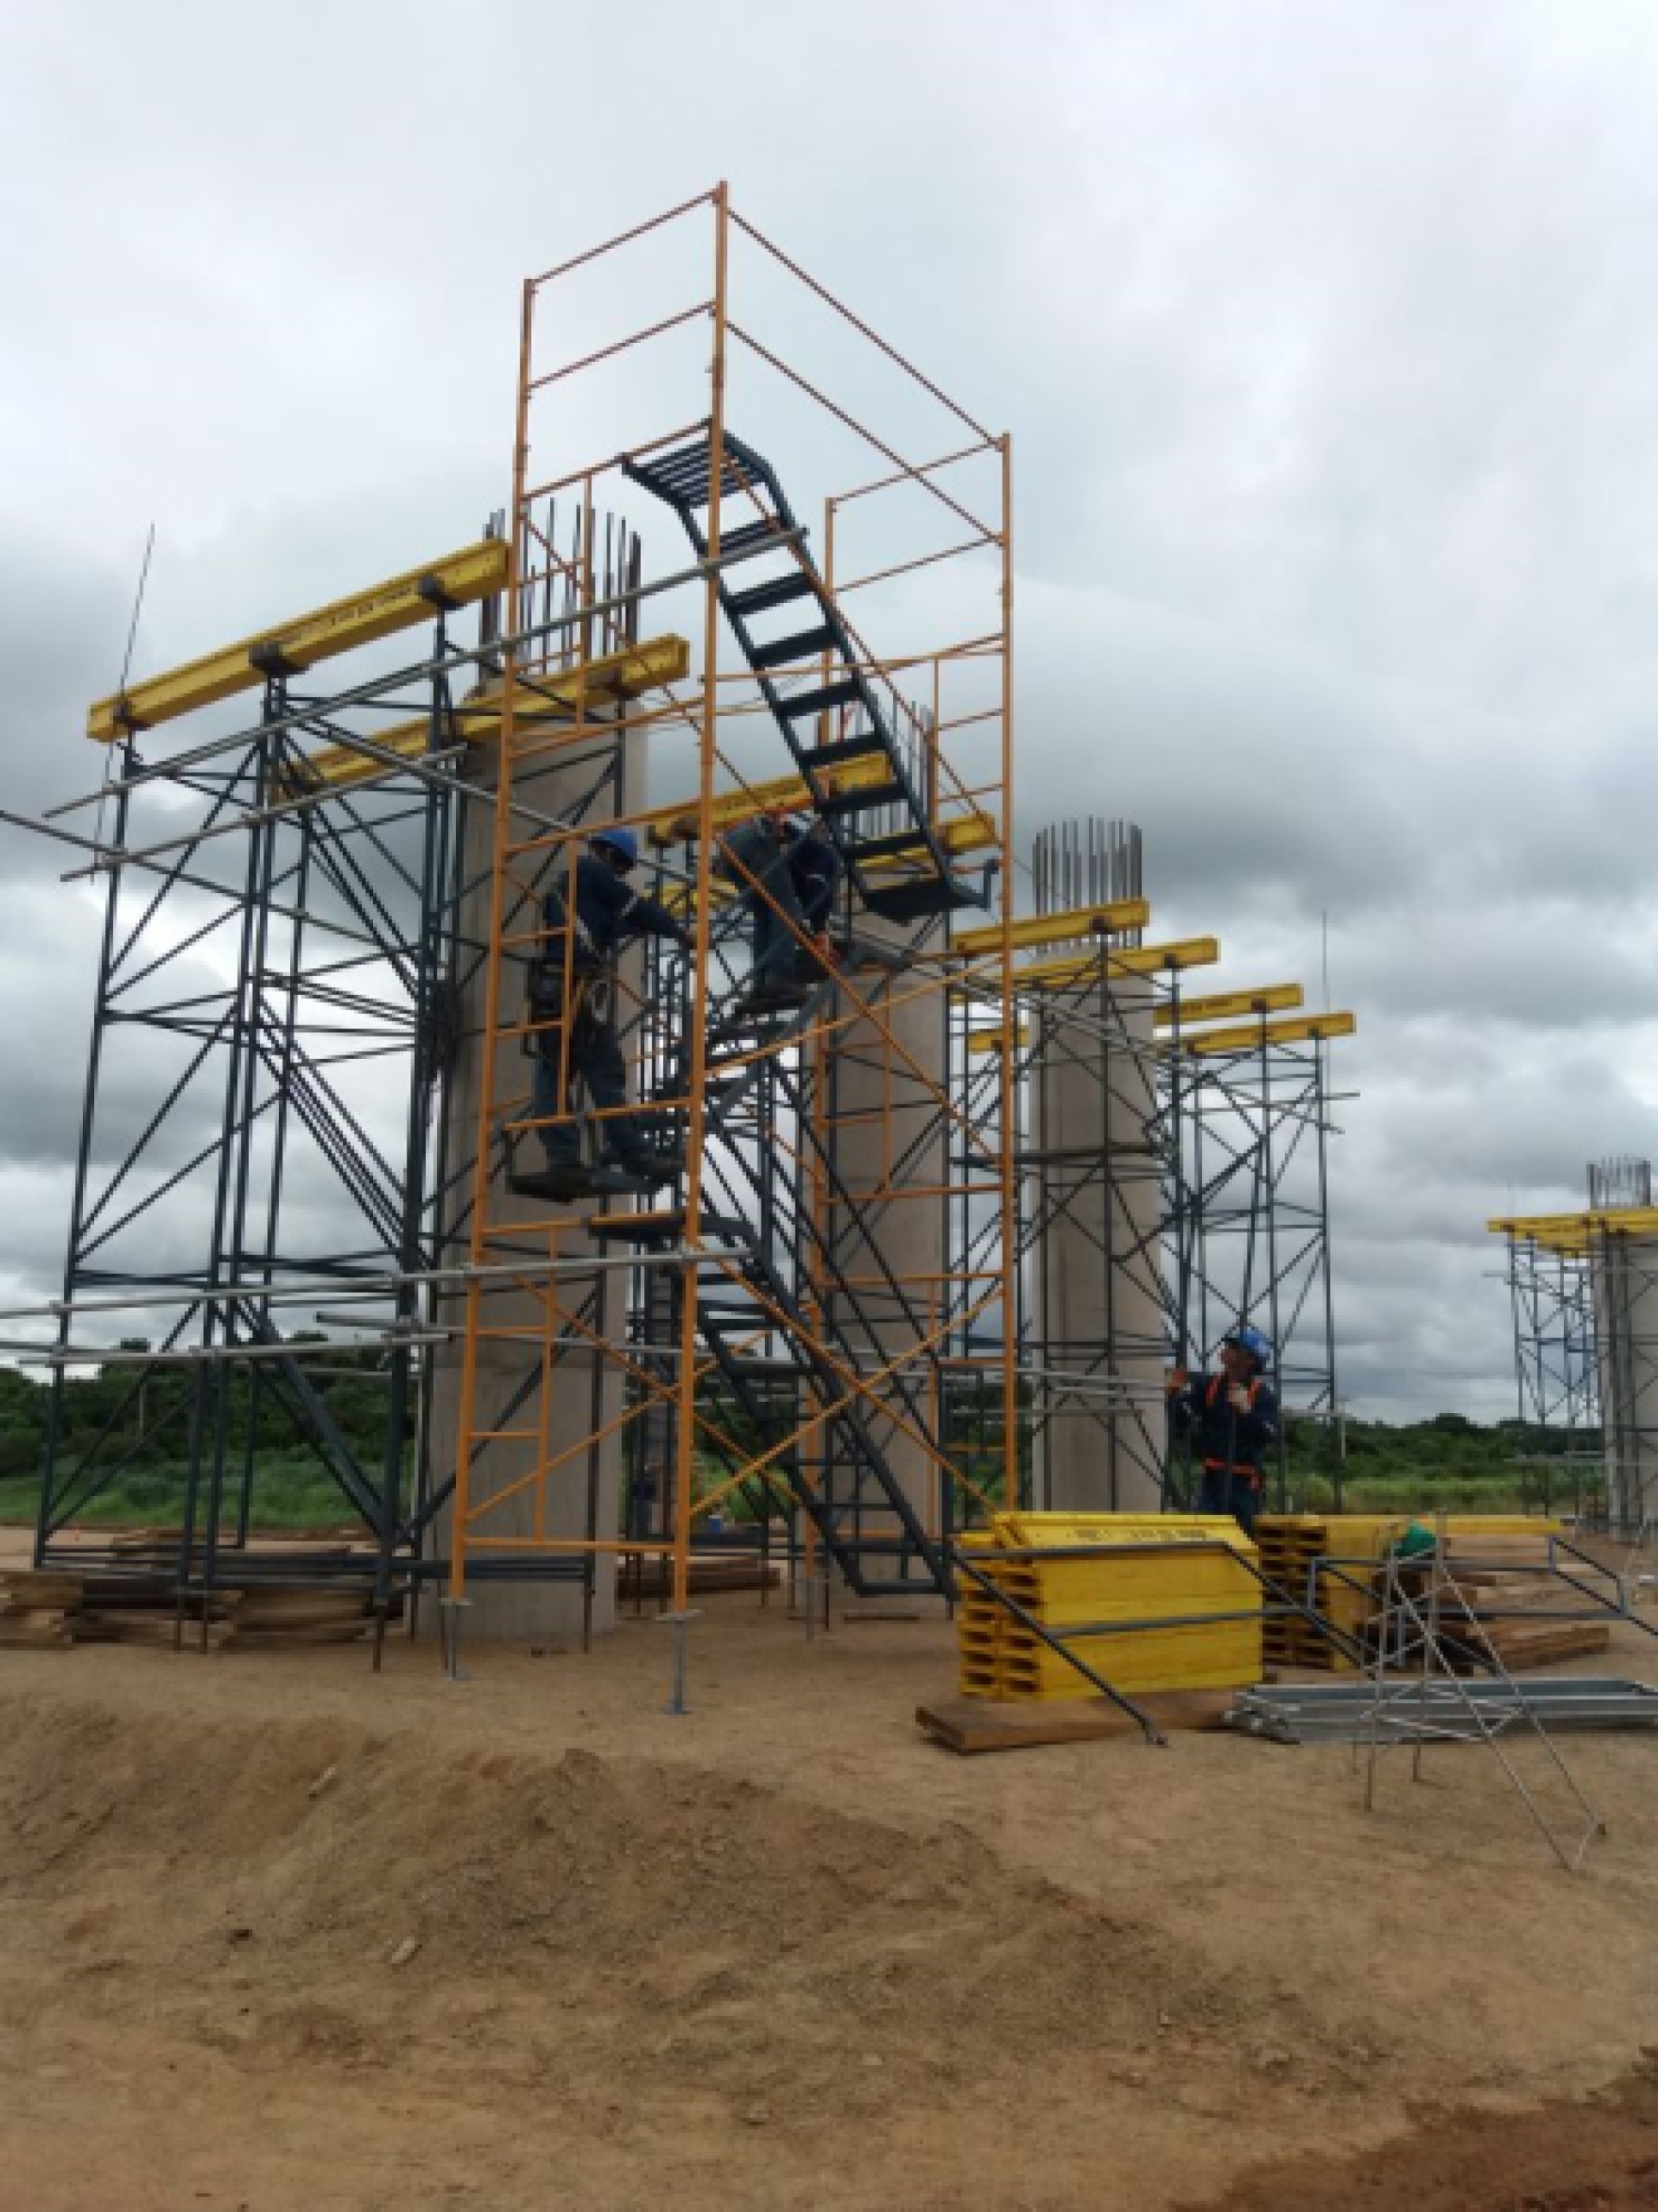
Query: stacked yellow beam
[
  {"x": 1143, "y": 1568},
  {"x": 1291, "y": 1544}
]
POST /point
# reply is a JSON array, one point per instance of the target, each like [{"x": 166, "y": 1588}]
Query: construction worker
[
  {"x": 581, "y": 1045},
  {"x": 816, "y": 864},
  {"x": 781, "y": 866},
  {"x": 1233, "y": 1418}
]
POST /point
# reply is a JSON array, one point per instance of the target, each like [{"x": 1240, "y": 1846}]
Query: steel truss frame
[
  {"x": 288, "y": 961},
  {"x": 1250, "y": 1130},
  {"x": 281, "y": 955},
  {"x": 1584, "y": 1297},
  {"x": 1207, "y": 1193},
  {"x": 828, "y": 1315}
]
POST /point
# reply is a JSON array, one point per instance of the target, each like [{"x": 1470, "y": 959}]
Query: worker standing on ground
[
  {"x": 1233, "y": 1420},
  {"x": 572, "y": 986}
]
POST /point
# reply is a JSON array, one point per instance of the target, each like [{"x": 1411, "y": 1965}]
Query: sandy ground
[{"x": 782, "y": 1951}]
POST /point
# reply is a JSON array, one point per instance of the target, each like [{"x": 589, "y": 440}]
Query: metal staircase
[
  {"x": 748, "y": 1287},
  {"x": 831, "y": 717}
]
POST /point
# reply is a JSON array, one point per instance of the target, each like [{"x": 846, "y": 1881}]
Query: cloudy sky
[{"x": 1328, "y": 337}]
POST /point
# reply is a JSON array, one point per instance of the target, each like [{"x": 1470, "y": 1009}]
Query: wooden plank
[{"x": 971, "y": 1724}]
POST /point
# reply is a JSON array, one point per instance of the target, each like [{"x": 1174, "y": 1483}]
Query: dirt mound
[
  {"x": 1599, "y": 2154},
  {"x": 689, "y": 1916},
  {"x": 665, "y": 1952}
]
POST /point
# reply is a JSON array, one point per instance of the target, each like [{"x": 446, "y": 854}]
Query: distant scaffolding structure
[{"x": 1583, "y": 1292}]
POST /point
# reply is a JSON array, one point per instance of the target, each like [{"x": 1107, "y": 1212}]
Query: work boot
[
  {"x": 772, "y": 996},
  {"x": 558, "y": 1182},
  {"x": 648, "y": 1166}
]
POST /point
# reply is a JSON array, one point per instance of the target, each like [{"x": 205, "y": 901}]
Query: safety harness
[{"x": 1211, "y": 1398}]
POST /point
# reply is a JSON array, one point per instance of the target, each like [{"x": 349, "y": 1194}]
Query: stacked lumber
[
  {"x": 37, "y": 1610},
  {"x": 646, "y": 1574},
  {"x": 1520, "y": 1644},
  {"x": 273, "y": 1615},
  {"x": 1499, "y": 1599},
  {"x": 1294, "y": 1547},
  {"x": 1141, "y": 1569},
  {"x": 242, "y": 1616},
  {"x": 136, "y": 1620}
]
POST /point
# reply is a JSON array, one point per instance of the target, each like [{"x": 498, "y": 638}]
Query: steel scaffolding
[
  {"x": 787, "y": 1310},
  {"x": 1584, "y": 1294},
  {"x": 1174, "y": 1180},
  {"x": 1251, "y": 1109},
  {"x": 907, "y": 1231}
]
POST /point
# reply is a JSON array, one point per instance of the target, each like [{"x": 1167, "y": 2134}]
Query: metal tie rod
[
  {"x": 252, "y": 817},
  {"x": 289, "y": 1294}
]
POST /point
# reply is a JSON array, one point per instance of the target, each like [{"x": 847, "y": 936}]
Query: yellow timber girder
[
  {"x": 1576, "y": 1234},
  {"x": 399, "y": 603}
]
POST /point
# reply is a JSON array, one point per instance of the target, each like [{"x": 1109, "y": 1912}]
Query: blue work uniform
[
  {"x": 1230, "y": 1446},
  {"x": 756, "y": 859},
  {"x": 570, "y": 989},
  {"x": 816, "y": 866}
]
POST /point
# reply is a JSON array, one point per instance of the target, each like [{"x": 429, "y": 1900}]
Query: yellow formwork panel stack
[
  {"x": 1142, "y": 1568},
  {"x": 1292, "y": 1544}
]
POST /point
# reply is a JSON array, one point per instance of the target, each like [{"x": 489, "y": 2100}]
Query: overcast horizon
[{"x": 1327, "y": 336}]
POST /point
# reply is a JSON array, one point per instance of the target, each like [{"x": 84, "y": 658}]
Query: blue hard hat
[
  {"x": 1251, "y": 1340},
  {"x": 620, "y": 839}
]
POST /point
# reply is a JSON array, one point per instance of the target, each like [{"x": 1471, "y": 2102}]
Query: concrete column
[
  {"x": 1095, "y": 1187},
  {"x": 1097, "y": 1306},
  {"x": 884, "y": 1128},
  {"x": 583, "y": 1393},
  {"x": 1625, "y": 1276}
]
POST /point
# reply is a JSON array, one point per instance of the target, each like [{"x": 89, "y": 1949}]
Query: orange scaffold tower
[{"x": 756, "y": 1337}]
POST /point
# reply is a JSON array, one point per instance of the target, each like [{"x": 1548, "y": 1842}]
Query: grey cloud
[{"x": 1328, "y": 352}]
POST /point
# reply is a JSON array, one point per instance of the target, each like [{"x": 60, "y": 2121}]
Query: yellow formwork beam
[
  {"x": 1110, "y": 920},
  {"x": 1107, "y": 965},
  {"x": 1578, "y": 1233},
  {"x": 1230, "y": 1006},
  {"x": 1302, "y": 1030},
  {"x": 989, "y": 1040},
  {"x": 399, "y": 603},
  {"x": 957, "y": 834},
  {"x": 551, "y": 700},
  {"x": 676, "y": 824}
]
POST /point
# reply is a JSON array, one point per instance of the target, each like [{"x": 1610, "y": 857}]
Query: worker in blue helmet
[
  {"x": 1232, "y": 1419},
  {"x": 571, "y": 994}
]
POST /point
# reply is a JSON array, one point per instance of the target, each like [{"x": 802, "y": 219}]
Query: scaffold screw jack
[
  {"x": 453, "y": 1609},
  {"x": 680, "y": 1624}
]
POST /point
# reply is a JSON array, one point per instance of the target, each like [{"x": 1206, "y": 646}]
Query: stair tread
[
  {"x": 819, "y": 701},
  {"x": 799, "y": 645},
  {"x": 775, "y": 592}
]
